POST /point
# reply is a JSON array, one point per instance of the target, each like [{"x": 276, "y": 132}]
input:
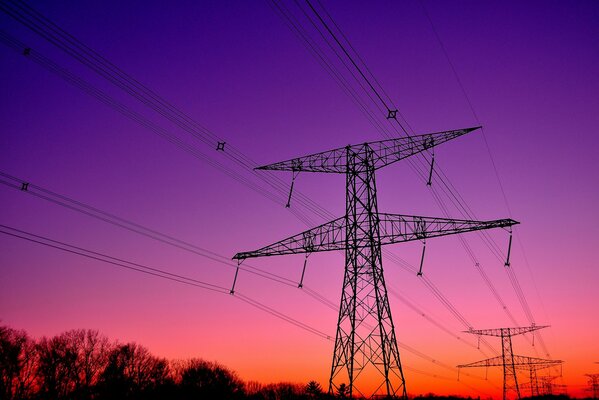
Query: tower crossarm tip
[{"x": 384, "y": 152}]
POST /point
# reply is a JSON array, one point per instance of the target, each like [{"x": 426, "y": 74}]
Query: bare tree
[
  {"x": 92, "y": 351},
  {"x": 56, "y": 367},
  {"x": 131, "y": 371},
  {"x": 17, "y": 364},
  {"x": 209, "y": 380}
]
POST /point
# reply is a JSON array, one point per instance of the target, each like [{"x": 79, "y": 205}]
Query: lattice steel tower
[
  {"x": 508, "y": 360},
  {"x": 594, "y": 384},
  {"x": 365, "y": 343}
]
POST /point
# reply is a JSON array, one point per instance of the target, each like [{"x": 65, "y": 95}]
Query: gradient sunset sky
[{"x": 530, "y": 69}]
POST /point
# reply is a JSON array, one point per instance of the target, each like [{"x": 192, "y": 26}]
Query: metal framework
[
  {"x": 365, "y": 343},
  {"x": 548, "y": 388},
  {"x": 593, "y": 384},
  {"x": 536, "y": 388},
  {"x": 509, "y": 361}
]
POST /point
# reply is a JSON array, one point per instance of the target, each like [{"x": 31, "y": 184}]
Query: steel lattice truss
[
  {"x": 500, "y": 332},
  {"x": 394, "y": 228},
  {"x": 593, "y": 384},
  {"x": 382, "y": 153},
  {"x": 521, "y": 362},
  {"x": 366, "y": 351},
  {"x": 511, "y": 362}
]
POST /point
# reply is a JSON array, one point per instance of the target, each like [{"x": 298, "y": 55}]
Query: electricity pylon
[
  {"x": 546, "y": 381},
  {"x": 365, "y": 343},
  {"x": 548, "y": 386},
  {"x": 508, "y": 360},
  {"x": 594, "y": 384}
]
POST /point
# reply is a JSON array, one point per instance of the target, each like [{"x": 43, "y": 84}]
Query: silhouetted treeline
[{"x": 82, "y": 364}]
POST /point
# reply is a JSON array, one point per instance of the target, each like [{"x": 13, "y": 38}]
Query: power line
[
  {"x": 69, "y": 44},
  {"x": 78, "y": 206},
  {"x": 156, "y": 272},
  {"x": 459, "y": 201},
  {"x": 53, "y": 39},
  {"x": 120, "y": 222},
  {"x": 511, "y": 273},
  {"x": 162, "y": 273},
  {"x": 143, "y": 121},
  {"x": 315, "y": 50},
  {"x": 119, "y": 262},
  {"x": 71, "y": 78}
]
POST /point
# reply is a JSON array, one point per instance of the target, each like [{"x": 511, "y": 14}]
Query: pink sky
[{"x": 530, "y": 70}]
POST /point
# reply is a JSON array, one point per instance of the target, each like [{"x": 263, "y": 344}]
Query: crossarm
[
  {"x": 394, "y": 228},
  {"x": 499, "y": 332},
  {"x": 519, "y": 361},
  {"x": 404, "y": 228},
  {"x": 384, "y": 153},
  {"x": 326, "y": 237}
]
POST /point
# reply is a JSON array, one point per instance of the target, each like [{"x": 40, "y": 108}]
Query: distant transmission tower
[
  {"x": 594, "y": 384},
  {"x": 545, "y": 387},
  {"x": 548, "y": 387},
  {"x": 366, "y": 350},
  {"x": 508, "y": 360}
]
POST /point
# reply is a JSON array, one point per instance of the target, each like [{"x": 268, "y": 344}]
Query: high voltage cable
[
  {"x": 459, "y": 81},
  {"x": 119, "y": 262},
  {"x": 303, "y": 35},
  {"x": 351, "y": 59},
  {"x": 424, "y": 315},
  {"x": 120, "y": 222},
  {"x": 78, "y": 206},
  {"x": 361, "y": 73},
  {"x": 87, "y": 56},
  {"x": 459, "y": 203},
  {"x": 143, "y": 121},
  {"x": 510, "y": 272},
  {"x": 75, "y": 205},
  {"x": 94, "y": 212},
  {"x": 86, "y": 87},
  {"x": 160, "y": 273},
  {"x": 314, "y": 49},
  {"x": 89, "y": 89},
  {"x": 55, "y": 28},
  {"x": 279, "y": 186}
]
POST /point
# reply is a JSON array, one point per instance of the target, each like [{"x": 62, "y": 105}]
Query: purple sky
[{"x": 531, "y": 70}]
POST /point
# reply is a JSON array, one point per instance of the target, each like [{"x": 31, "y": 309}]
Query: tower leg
[
  {"x": 366, "y": 356},
  {"x": 510, "y": 380}
]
